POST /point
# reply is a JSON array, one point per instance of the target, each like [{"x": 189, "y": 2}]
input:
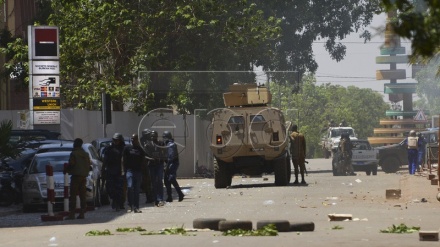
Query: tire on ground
[
  {"x": 207, "y": 223},
  {"x": 302, "y": 227},
  {"x": 281, "y": 225},
  {"x": 226, "y": 225}
]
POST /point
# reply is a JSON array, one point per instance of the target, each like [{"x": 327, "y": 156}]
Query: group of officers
[{"x": 147, "y": 163}]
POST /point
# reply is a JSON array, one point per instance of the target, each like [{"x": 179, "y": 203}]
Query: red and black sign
[{"x": 46, "y": 42}]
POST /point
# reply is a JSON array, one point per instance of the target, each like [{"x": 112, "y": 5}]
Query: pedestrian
[
  {"x": 298, "y": 153},
  {"x": 78, "y": 168},
  {"x": 133, "y": 160},
  {"x": 346, "y": 153},
  {"x": 113, "y": 171},
  {"x": 172, "y": 164},
  {"x": 421, "y": 152},
  {"x": 156, "y": 152},
  {"x": 413, "y": 143}
]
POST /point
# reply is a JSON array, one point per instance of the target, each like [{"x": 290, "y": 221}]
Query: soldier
[
  {"x": 172, "y": 164},
  {"x": 345, "y": 150},
  {"x": 114, "y": 171},
  {"x": 298, "y": 152},
  {"x": 79, "y": 167}
]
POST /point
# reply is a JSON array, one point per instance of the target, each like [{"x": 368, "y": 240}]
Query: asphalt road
[{"x": 255, "y": 199}]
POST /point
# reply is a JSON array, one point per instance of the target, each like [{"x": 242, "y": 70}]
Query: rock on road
[{"x": 255, "y": 199}]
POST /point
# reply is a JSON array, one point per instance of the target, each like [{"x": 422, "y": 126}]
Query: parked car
[
  {"x": 34, "y": 188},
  {"x": 364, "y": 158},
  {"x": 96, "y": 164},
  {"x": 392, "y": 157},
  {"x": 33, "y": 134}
]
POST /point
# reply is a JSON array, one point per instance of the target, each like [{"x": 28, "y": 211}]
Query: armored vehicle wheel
[
  {"x": 390, "y": 165},
  {"x": 280, "y": 169},
  {"x": 222, "y": 177}
]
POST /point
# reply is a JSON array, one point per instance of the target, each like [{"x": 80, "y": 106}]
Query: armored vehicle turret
[{"x": 249, "y": 137}]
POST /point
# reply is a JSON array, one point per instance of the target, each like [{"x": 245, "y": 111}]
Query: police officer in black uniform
[
  {"x": 172, "y": 164},
  {"x": 113, "y": 171},
  {"x": 133, "y": 160},
  {"x": 147, "y": 185},
  {"x": 156, "y": 153}
]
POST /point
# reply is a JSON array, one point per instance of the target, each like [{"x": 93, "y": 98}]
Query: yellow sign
[{"x": 46, "y": 104}]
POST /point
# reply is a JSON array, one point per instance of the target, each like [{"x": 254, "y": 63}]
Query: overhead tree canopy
[
  {"x": 111, "y": 45},
  {"x": 419, "y": 21}
]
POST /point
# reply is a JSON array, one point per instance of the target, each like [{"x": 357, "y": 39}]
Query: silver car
[{"x": 35, "y": 185}]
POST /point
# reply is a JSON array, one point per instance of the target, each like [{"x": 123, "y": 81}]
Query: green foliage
[
  {"x": 106, "y": 232},
  {"x": 8, "y": 149},
  {"x": 418, "y": 21},
  {"x": 428, "y": 87},
  {"x": 268, "y": 230},
  {"x": 132, "y": 229},
  {"x": 317, "y": 104},
  {"x": 402, "y": 228},
  {"x": 170, "y": 231},
  {"x": 337, "y": 227}
]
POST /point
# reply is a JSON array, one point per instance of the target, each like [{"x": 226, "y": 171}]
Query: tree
[
  {"x": 304, "y": 22},
  {"x": 316, "y": 105},
  {"x": 106, "y": 45},
  {"x": 428, "y": 87},
  {"x": 418, "y": 21},
  {"x": 7, "y": 149}
]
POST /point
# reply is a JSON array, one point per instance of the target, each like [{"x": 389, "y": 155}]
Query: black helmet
[
  {"x": 146, "y": 132},
  {"x": 134, "y": 137},
  {"x": 167, "y": 135},
  {"x": 118, "y": 136},
  {"x": 154, "y": 134}
]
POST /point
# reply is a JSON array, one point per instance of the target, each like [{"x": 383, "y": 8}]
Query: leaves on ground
[
  {"x": 98, "y": 233},
  {"x": 337, "y": 227},
  {"x": 402, "y": 228},
  {"x": 268, "y": 230},
  {"x": 170, "y": 231},
  {"x": 133, "y": 229}
]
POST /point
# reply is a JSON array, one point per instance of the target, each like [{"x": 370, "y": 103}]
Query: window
[
  {"x": 236, "y": 120},
  {"x": 257, "y": 119}
]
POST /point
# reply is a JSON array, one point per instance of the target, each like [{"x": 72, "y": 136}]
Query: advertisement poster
[{"x": 47, "y": 86}]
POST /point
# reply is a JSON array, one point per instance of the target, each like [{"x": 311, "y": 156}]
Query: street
[{"x": 256, "y": 199}]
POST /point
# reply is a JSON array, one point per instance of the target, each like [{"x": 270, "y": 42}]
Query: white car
[
  {"x": 364, "y": 158},
  {"x": 34, "y": 187}
]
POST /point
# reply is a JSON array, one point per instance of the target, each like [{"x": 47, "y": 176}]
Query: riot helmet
[
  {"x": 146, "y": 132},
  {"x": 154, "y": 135},
  {"x": 412, "y": 133},
  {"x": 118, "y": 136},
  {"x": 167, "y": 135}
]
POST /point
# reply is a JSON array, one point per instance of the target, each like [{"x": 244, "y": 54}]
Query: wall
[{"x": 189, "y": 132}]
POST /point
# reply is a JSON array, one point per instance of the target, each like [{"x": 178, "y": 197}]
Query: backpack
[{"x": 413, "y": 142}]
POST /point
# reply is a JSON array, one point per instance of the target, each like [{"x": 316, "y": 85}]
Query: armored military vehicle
[{"x": 249, "y": 137}]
